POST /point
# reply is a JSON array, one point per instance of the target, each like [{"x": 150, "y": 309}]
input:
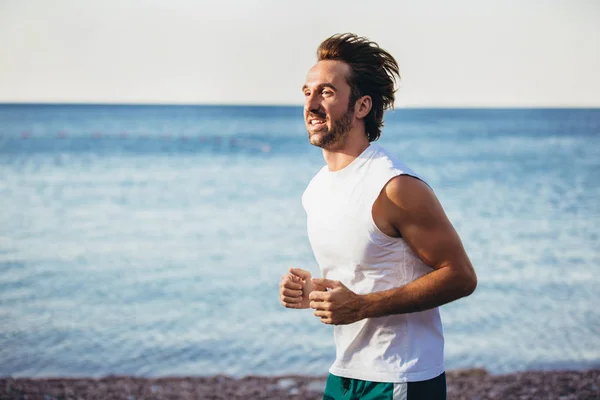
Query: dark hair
[{"x": 373, "y": 73}]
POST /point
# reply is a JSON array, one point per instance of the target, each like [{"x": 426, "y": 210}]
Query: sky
[{"x": 461, "y": 53}]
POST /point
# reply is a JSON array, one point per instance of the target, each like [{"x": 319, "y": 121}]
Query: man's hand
[
  {"x": 340, "y": 306},
  {"x": 295, "y": 288}
]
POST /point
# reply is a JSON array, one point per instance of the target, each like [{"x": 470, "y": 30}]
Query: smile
[{"x": 316, "y": 122}]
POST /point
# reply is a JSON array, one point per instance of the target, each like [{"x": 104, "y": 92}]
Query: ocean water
[{"x": 150, "y": 240}]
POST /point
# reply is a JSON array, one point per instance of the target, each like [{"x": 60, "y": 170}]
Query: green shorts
[{"x": 339, "y": 388}]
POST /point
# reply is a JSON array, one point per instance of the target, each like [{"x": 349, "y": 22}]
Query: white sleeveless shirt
[{"x": 350, "y": 248}]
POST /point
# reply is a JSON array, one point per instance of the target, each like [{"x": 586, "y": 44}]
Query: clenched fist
[
  {"x": 338, "y": 306},
  {"x": 295, "y": 288}
]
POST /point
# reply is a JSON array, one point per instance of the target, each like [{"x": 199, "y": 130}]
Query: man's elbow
[{"x": 469, "y": 283}]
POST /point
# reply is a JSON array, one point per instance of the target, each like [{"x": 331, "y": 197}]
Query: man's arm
[{"x": 407, "y": 207}]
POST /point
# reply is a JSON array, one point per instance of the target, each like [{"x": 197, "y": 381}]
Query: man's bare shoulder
[{"x": 408, "y": 192}]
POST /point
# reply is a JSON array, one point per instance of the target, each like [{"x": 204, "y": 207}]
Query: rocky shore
[{"x": 474, "y": 384}]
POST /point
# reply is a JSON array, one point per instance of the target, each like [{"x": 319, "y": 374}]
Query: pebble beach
[{"x": 473, "y": 384}]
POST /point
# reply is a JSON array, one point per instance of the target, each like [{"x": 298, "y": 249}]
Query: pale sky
[{"x": 461, "y": 53}]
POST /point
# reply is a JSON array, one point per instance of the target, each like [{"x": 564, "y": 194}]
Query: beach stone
[
  {"x": 316, "y": 386},
  {"x": 286, "y": 383}
]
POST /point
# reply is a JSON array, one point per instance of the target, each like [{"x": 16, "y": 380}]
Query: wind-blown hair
[{"x": 373, "y": 73}]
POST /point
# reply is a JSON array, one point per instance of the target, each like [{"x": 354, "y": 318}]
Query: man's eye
[
  {"x": 327, "y": 92},
  {"x": 307, "y": 93}
]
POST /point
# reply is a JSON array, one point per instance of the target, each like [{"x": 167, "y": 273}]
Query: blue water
[{"x": 150, "y": 240}]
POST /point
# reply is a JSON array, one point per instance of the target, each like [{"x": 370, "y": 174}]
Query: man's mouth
[{"x": 317, "y": 122}]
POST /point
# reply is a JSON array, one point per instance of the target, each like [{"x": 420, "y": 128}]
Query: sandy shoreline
[{"x": 467, "y": 384}]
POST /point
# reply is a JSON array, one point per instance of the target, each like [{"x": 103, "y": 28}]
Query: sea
[{"x": 150, "y": 240}]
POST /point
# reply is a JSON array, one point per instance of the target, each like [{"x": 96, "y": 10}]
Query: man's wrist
[
  {"x": 378, "y": 304},
  {"x": 366, "y": 307}
]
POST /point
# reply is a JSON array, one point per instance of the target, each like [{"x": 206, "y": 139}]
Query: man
[{"x": 387, "y": 251}]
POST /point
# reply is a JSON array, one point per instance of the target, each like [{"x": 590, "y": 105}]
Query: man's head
[{"x": 352, "y": 82}]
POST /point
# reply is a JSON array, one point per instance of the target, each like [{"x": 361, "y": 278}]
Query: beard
[{"x": 333, "y": 138}]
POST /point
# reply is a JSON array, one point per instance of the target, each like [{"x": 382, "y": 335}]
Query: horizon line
[{"x": 396, "y": 108}]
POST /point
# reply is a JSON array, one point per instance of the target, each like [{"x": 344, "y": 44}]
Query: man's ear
[{"x": 363, "y": 106}]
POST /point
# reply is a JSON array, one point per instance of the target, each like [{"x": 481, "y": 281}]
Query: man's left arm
[{"x": 413, "y": 210}]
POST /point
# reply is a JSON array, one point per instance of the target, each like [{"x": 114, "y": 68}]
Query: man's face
[{"x": 327, "y": 114}]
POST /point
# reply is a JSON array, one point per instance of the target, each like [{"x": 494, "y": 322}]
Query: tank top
[{"x": 350, "y": 248}]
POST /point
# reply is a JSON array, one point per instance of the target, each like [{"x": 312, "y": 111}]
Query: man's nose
[{"x": 313, "y": 103}]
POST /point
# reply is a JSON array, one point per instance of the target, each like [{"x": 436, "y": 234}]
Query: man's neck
[{"x": 339, "y": 158}]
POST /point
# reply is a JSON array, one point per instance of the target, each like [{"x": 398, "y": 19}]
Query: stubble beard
[{"x": 330, "y": 139}]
